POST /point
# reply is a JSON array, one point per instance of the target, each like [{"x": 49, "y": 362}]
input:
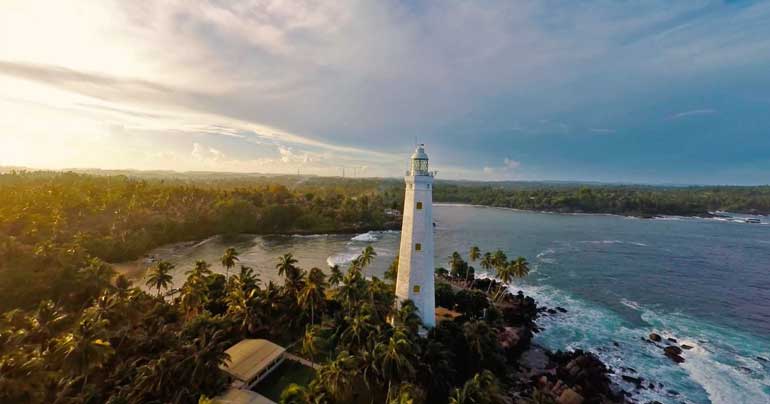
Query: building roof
[
  {"x": 238, "y": 396},
  {"x": 446, "y": 314},
  {"x": 251, "y": 356}
]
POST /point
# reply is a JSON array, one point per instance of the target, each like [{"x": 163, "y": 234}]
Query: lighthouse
[{"x": 415, "y": 259}]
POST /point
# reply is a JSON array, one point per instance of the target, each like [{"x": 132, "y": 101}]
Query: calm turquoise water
[{"x": 704, "y": 282}]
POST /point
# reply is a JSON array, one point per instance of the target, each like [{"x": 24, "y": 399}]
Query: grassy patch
[{"x": 289, "y": 372}]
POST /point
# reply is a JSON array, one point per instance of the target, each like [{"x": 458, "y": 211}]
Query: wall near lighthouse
[{"x": 415, "y": 267}]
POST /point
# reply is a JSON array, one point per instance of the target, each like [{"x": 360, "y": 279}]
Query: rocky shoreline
[
  {"x": 536, "y": 373},
  {"x": 572, "y": 377}
]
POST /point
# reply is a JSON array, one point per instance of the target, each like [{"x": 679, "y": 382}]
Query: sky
[{"x": 592, "y": 90}]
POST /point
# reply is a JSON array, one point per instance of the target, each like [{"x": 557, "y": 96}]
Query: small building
[{"x": 251, "y": 360}]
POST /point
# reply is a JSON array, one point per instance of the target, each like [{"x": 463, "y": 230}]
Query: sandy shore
[{"x": 135, "y": 269}]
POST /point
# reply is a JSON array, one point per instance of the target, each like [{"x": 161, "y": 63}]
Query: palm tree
[
  {"x": 337, "y": 376},
  {"x": 97, "y": 275},
  {"x": 201, "y": 269},
  {"x": 313, "y": 292},
  {"x": 241, "y": 305},
  {"x": 336, "y": 275},
  {"x": 294, "y": 394},
  {"x": 193, "y": 296},
  {"x": 246, "y": 279},
  {"x": 505, "y": 275},
  {"x": 310, "y": 342},
  {"x": 285, "y": 264},
  {"x": 499, "y": 259},
  {"x": 352, "y": 288},
  {"x": 455, "y": 262},
  {"x": 229, "y": 258},
  {"x": 204, "y": 355},
  {"x": 473, "y": 255},
  {"x": 435, "y": 366},
  {"x": 46, "y": 322},
  {"x": 520, "y": 267},
  {"x": 366, "y": 258},
  {"x": 407, "y": 393},
  {"x": 122, "y": 284},
  {"x": 358, "y": 329},
  {"x": 408, "y": 317},
  {"x": 392, "y": 273},
  {"x": 395, "y": 358},
  {"x": 84, "y": 349},
  {"x": 159, "y": 276},
  {"x": 487, "y": 262},
  {"x": 482, "y": 388}
]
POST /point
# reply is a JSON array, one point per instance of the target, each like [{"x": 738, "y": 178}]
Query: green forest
[
  {"x": 629, "y": 200},
  {"x": 50, "y": 222}
]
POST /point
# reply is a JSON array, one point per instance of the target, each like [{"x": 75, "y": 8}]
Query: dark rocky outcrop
[
  {"x": 586, "y": 374},
  {"x": 655, "y": 337},
  {"x": 674, "y": 353}
]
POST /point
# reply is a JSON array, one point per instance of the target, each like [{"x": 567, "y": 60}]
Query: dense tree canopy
[
  {"x": 632, "y": 200},
  {"x": 51, "y": 223}
]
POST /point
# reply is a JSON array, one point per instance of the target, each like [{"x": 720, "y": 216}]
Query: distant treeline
[{"x": 632, "y": 200}]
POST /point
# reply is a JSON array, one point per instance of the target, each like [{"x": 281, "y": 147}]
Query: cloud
[
  {"x": 508, "y": 170},
  {"x": 511, "y": 164}
]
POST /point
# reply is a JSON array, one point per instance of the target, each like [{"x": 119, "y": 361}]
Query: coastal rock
[
  {"x": 746, "y": 370},
  {"x": 635, "y": 380},
  {"x": 655, "y": 337},
  {"x": 672, "y": 350},
  {"x": 584, "y": 372},
  {"x": 673, "y": 353},
  {"x": 561, "y": 309},
  {"x": 671, "y": 340},
  {"x": 569, "y": 396},
  {"x": 551, "y": 311},
  {"x": 686, "y": 347},
  {"x": 514, "y": 340},
  {"x": 759, "y": 358}
]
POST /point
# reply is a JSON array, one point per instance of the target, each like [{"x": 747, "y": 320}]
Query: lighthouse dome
[{"x": 419, "y": 153}]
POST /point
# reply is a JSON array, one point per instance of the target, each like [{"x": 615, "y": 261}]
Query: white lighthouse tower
[{"x": 415, "y": 259}]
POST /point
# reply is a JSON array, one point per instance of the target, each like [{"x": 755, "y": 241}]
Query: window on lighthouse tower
[{"x": 419, "y": 205}]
